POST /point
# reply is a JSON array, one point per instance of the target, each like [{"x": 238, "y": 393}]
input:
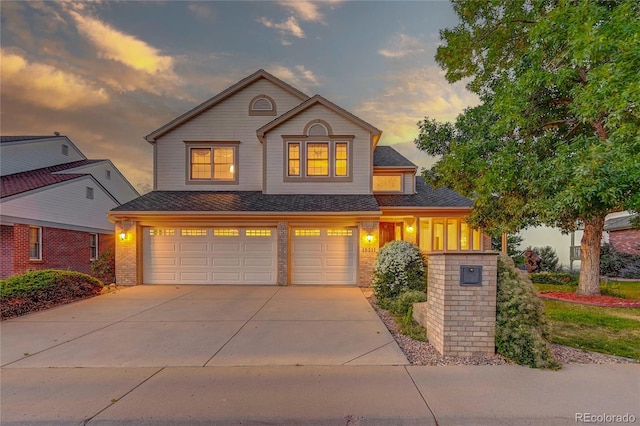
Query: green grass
[{"x": 614, "y": 331}]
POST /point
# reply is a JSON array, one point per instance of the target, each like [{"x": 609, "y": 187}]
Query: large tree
[{"x": 556, "y": 137}]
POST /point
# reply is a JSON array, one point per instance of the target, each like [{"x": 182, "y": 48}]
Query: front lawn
[{"x": 614, "y": 331}]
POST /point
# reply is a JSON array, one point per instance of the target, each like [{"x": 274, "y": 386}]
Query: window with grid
[
  {"x": 35, "y": 243},
  {"x": 257, "y": 232},
  {"x": 317, "y": 159},
  {"x": 339, "y": 232},
  {"x": 93, "y": 246},
  {"x": 193, "y": 232},
  {"x": 223, "y": 163},
  {"x": 341, "y": 159},
  {"x": 225, "y": 232},
  {"x": 162, "y": 232},
  {"x": 294, "y": 159},
  {"x": 307, "y": 232},
  {"x": 200, "y": 163}
]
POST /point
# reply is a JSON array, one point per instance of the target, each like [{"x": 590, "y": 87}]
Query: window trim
[
  {"x": 38, "y": 243},
  {"x": 307, "y": 159},
  {"x": 93, "y": 250},
  {"x": 304, "y": 140},
  {"x": 212, "y": 145},
  {"x": 288, "y": 159},
  {"x": 262, "y": 112}
]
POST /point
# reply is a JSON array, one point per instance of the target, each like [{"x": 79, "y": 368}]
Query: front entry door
[{"x": 390, "y": 231}]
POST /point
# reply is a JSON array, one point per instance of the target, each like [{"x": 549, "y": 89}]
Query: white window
[
  {"x": 89, "y": 193},
  {"x": 215, "y": 163},
  {"x": 35, "y": 243},
  {"x": 262, "y": 105},
  {"x": 387, "y": 183},
  {"x": 93, "y": 246}
]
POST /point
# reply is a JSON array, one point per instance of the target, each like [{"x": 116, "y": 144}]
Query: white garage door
[
  {"x": 324, "y": 256},
  {"x": 230, "y": 255}
]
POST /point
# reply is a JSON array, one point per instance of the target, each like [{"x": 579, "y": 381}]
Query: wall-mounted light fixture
[
  {"x": 369, "y": 238},
  {"x": 410, "y": 227},
  {"x": 125, "y": 226}
]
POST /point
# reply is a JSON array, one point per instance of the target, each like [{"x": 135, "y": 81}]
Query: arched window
[
  {"x": 262, "y": 105},
  {"x": 317, "y": 130}
]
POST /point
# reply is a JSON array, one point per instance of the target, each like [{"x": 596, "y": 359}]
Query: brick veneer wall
[
  {"x": 368, "y": 251},
  {"x": 283, "y": 253},
  {"x": 61, "y": 249},
  {"x": 127, "y": 254},
  {"x": 461, "y": 319},
  {"x": 626, "y": 240}
]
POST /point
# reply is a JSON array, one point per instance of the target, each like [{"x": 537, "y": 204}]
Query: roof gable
[
  {"x": 151, "y": 137},
  {"x": 23, "y": 182},
  {"x": 315, "y": 100}
]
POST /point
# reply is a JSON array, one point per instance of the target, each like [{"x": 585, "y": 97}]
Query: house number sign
[{"x": 369, "y": 249}]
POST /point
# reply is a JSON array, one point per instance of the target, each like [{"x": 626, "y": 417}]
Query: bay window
[{"x": 448, "y": 234}]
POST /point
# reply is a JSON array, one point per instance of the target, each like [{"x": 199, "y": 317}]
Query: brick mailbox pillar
[{"x": 461, "y": 303}]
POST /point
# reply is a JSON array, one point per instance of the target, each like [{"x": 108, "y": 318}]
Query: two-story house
[
  {"x": 263, "y": 184},
  {"x": 54, "y": 203}
]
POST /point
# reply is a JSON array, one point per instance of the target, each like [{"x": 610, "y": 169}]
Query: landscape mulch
[{"x": 600, "y": 300}]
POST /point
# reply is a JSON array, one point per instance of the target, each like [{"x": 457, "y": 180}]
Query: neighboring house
[
  {"x": 263, "y": 184},
  {"x": 54, "y": 203},
  {"x": 622, "y": 235}
]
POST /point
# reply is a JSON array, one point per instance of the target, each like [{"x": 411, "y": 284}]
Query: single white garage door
[
  {"x": 232, "y": 255},
  {"x": 324, "y": 256}
]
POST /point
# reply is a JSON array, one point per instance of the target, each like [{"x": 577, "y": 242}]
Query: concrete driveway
[{"x": 204, "y": 326}]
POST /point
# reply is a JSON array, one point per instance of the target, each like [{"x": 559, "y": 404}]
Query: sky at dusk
[{"x": 106, "y": 74}]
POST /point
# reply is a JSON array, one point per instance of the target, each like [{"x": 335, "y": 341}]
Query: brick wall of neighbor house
[
  {"x": 461, "y": 319},
  {"x": 368, "y": 252},
  {"x": 61, "y": 249},
  {"x": 283, "y": 249},
  {"x": 6, "y": 251},
  {"x": 126, "y": 255},
  {"x": 626, "y": 240}
]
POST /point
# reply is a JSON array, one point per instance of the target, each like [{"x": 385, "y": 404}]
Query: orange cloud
[
  {"x": 45, "y": 85},
  {"x": 121, "y": 47}
]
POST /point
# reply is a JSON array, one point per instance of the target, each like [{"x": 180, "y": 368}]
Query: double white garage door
[{"x": 243, "y": 255}]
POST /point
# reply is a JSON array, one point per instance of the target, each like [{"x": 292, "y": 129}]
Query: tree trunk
[{"x": 590, "y": 257}]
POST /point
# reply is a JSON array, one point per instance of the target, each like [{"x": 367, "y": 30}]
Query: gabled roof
[
  {"x": 425, "y": 196},
  {"x": 315, "y": 100},
  {"x": 619, "y": 223},
  {"x": 247, "y": 201},
  {"x": 18, "y": 183},
  {"x": 151, "y": 137},
  {"x": 5, "y": 139},
  {"x": 386, "y": 156}
]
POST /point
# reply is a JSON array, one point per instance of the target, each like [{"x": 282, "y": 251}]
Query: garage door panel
[
  {"x": 225, "y": 261},
  {"x": 194, "y": 261},
  {"x": 209, "y": 256},
  {"x": 195, "y": 247},
  {"x": 324, "y": 256}
]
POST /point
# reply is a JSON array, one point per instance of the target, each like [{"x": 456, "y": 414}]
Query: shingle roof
[
  {"x": 18, "y": 183},
  {"x": 386, "y": 156},
  {"x": 425, "y": 196},
  {"x": 248, "y": 201},
  {"x": 23, "y": 138},
  {"x": 618, "y": 223}
]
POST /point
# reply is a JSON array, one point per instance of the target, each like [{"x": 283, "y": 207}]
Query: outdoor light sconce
[
  {"x": 369, "y": 238},
  {"x": 125, "y": 225},
  {"x": 410, "y": 228}
]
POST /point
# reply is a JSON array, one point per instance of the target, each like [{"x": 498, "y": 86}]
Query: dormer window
[{"x": 262, "y": 105}]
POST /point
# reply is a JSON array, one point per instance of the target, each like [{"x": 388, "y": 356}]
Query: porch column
[
  {"x": 126, "y": 246},
  {"x": 369, "y": 240}
]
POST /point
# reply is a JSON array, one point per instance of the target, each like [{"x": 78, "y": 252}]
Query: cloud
[
  {"x": 288, "y": 27},
  {"x": 46, "y": 86},
  {"x": 402, "y": 45},
  {"x": 299, "y": 77},
  {"x": 121, "y": 47},
  {"x": 202, "y": 11},
  {"x": 305, "y": 10},
  {"x": 410, "y": 95}
]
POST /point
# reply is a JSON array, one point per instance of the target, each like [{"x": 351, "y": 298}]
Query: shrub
[
  {"x": 37, "y": 290},
  {"x": 104, "y": 266},
  {"x": 402, "y": 304},
  {"x": 400, "y": 266},
  {"x": 614, "y": 263},
  {"x": 549, "y": 258},
  {"x": 521, "y": 325},
  {"x": 560, "y": 278}
]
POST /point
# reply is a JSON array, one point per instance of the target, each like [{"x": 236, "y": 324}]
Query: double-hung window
[
  {"x": 93, "y": 246},
  {"x": 35, "y": 243},
  {"x": 317, "y": 159},
  {"x": 212, "y": 163}
]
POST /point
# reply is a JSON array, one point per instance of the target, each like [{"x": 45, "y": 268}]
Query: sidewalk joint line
[
  {"x": 422, "y": 396},
  {"x": 243, "y": 326}
]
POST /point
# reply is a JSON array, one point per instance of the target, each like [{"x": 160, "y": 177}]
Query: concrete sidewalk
[{"x": 331, "y": 395}]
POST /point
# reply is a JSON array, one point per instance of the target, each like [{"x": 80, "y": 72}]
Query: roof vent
[{"x": 56, "y": 133}]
